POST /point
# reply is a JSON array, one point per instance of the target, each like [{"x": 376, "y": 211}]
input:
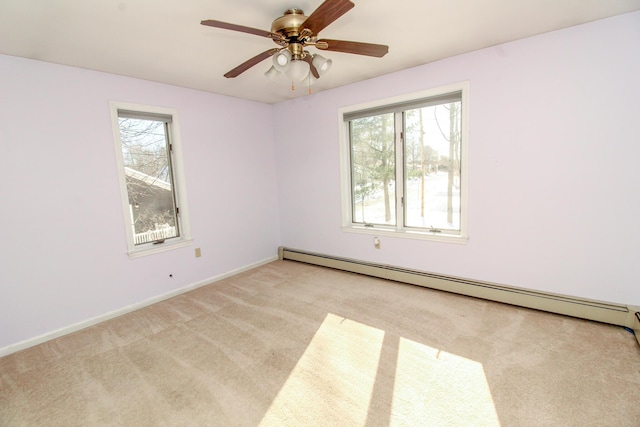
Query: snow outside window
[{"x": 404, "y": 165}]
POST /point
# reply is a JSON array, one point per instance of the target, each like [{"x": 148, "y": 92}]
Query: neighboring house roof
[{"x": 147, "y": 179}]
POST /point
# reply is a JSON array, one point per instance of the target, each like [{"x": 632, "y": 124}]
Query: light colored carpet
[{"x": 289, "y": 344}]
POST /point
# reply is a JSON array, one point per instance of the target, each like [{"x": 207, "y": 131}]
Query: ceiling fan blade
[
  {"x": 242, "y": 29},
  {"x": 325, "y": 14},
  {"x": 250, "y": 63},
  {"x": 314, "y": 71},
  {"x": 369, "y": 49}
]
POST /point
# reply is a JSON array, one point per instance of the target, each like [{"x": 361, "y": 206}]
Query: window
[
  {"x": 404, "y": 165},
  {"x": 148, "y": 153}
]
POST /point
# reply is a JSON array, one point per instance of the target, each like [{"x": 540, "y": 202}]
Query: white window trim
[
  {"x": 345, "y": 168},
  {"x": 179, "y": 182}
]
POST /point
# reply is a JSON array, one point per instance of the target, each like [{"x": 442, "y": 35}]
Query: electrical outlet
[
  {"x": 376, "y": 243},
  {"x": 198, "y": 253}
]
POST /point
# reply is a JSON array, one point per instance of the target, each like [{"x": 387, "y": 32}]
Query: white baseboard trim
[{"x": 13, "y": 348}]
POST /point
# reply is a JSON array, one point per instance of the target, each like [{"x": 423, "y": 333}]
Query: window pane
[
  {"x": 147, "y": 168},
  {"x": 432, "y": 167},
  {"x": 373, "y": 169}
]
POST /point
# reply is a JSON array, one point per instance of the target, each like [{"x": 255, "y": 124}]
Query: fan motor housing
[{"x": 289, "y": 24}]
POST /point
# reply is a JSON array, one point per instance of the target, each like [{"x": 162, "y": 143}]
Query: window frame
[
  {"x": 172, "y": 127},
  {"x": 399, "y": 104}
]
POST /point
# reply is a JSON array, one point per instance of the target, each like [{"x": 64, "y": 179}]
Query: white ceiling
[{"x": 162, "y": 40}]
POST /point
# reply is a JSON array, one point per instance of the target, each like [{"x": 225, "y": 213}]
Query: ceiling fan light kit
[
  {"x": 298, "y": 70},
  {"x": 273, "y": 73},
  {"x": 281, "y": 60},
  {"x": 321, "y": 63},
  {"x": 293, "y": 33}
]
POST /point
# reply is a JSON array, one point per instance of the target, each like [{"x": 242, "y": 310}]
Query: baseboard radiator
[{"x": 615, "y": 314}]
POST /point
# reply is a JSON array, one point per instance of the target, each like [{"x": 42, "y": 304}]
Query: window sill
[
  {"x": 407, "y": 234},
  {"x": 150, "y": 249}
]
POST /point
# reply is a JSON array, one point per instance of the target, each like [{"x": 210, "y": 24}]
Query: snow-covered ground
[{"x": 435, "y": 204}]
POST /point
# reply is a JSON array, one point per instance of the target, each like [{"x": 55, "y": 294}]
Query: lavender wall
[
  {"x": 62, "y": 241},
  {"x": 554, "y": 165},
  {"x": 553, "y": 179}
]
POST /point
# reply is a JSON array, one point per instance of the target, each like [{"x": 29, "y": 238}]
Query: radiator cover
[{"x": 616, "y": 314}]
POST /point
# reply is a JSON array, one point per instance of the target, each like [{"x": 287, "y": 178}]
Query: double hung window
[
  {"x": 404, "y": 165},
  {"x": 150, "y": 175}
]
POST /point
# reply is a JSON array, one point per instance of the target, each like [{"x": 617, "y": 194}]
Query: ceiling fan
[{"x": 293, "y": 33}]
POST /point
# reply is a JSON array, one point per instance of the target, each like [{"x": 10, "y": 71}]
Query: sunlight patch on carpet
[
  {"x": 443, "y": 388},
  {"x": 354, "y": 374},
  {"x": 333, "y": 379}
]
